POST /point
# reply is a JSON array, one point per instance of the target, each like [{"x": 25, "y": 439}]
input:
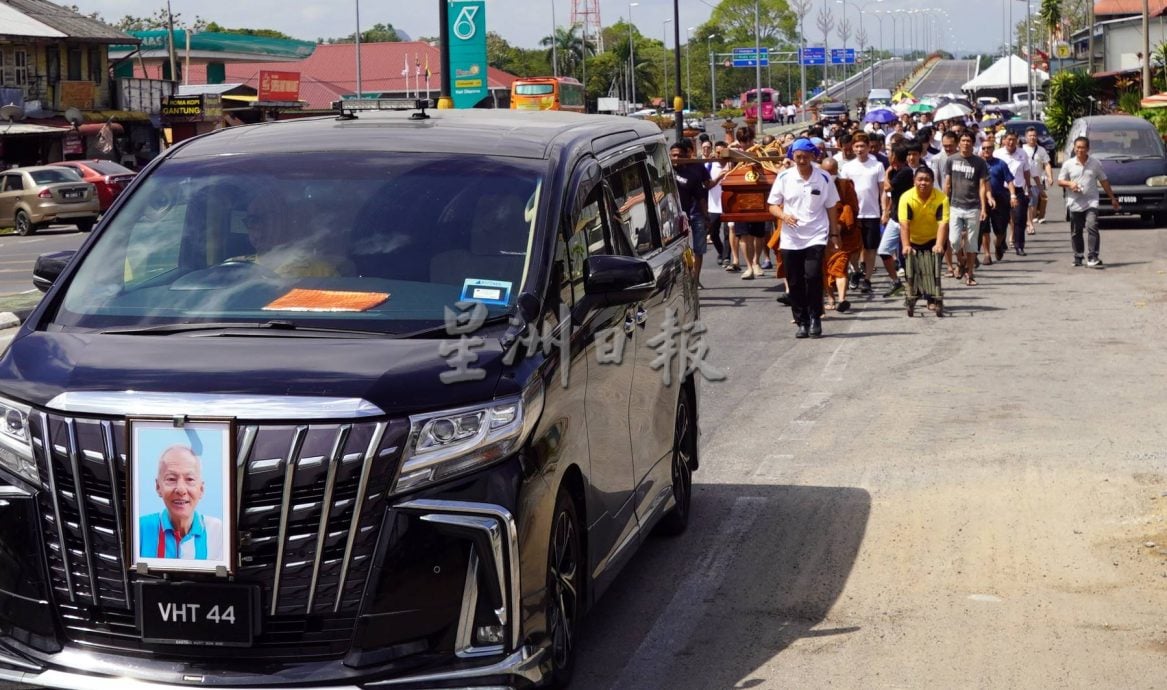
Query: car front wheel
[
  {"x": 565, "y": 574},
  {"x": 85, "y": 225},
  {"x": 24, "y": 224}
]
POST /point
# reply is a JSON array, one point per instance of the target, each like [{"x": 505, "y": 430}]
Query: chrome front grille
[{"x": 310, "y": 499}]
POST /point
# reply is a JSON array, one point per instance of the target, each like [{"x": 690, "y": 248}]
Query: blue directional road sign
[
  {"x": 748, "y": 57},
  {"x": 813, "y": 56},
  {"x": 842, "y": 56}
]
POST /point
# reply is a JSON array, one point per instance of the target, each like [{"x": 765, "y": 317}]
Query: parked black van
[{"x": 385, "y": 399}]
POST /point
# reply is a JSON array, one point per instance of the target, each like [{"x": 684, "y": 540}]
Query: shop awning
[{"x": 21, "y": 128}]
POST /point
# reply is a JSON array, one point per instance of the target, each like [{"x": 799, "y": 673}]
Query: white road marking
[{"x": 649, "y": 664}]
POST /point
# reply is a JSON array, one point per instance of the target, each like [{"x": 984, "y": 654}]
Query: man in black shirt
[
  {"x": 905, "y": 157},
  {"x": 693, "y": 183}
]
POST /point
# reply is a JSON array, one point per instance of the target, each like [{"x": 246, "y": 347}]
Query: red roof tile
[
  {"x": 1107, "y": 8},
  {"x": 331, "y": 71}
]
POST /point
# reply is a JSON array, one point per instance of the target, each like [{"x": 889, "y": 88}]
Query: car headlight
[
  {"x": 452, "y": 442},
  {"x": 1157, "y": 181},
  {"x": 16, "y": 441}
]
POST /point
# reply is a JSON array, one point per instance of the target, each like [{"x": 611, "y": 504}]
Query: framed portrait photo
[{"x": 181, "y": 481}]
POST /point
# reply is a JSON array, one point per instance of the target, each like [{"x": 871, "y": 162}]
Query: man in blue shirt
[
  {"x": 179, "y": 530},
  {"x": 1001, "y": 192}
]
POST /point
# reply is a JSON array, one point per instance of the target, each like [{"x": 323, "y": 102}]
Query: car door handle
[{"x": 641, "y": 314}]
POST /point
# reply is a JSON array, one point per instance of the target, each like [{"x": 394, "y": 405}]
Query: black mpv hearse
[{"x": 383, "y": 399}]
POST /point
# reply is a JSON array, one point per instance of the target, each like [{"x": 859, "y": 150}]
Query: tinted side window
[
  {"x": 586, "y": 236},
  {"x": 664, "y": 190},
  {"x": 632, "y": 208},
  {"x": 13, "y": 182}
]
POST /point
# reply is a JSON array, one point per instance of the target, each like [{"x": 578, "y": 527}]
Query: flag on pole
[
  {"x": 427, "y": 75},
  {"x": 417, "y": 74},
  {"x": 405, "y": 73}
]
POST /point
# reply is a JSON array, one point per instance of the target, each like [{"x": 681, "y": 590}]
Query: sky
[{"x": 525, "y": 22}]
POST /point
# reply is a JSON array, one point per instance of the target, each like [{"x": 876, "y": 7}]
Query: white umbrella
[
  {"x": 901, "y": 107},
  {"x": 950, "y": 111}
]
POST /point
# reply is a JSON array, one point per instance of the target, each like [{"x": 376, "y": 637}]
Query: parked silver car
[{"x": 33, "y": 197}]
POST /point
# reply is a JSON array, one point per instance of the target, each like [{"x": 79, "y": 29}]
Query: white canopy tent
[{"x": 998, "y": 76}]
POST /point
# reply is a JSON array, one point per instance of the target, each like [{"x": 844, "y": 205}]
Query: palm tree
[
  {"x": 569, "y": 47},
  {"x": 1051, "y": 15}
]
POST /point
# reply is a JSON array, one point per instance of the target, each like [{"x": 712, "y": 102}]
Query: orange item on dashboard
[{"x": 300, "y": 299}]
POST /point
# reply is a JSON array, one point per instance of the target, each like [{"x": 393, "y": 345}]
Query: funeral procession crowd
[{"x": 924, "y": 199}]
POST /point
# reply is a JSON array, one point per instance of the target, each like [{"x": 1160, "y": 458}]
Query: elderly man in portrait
[{"x": 179, "y": 530}]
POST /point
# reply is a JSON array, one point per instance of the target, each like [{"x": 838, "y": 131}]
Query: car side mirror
[
  {"x": 618, "y": 279},
  {"x": 48, "y": 268}
]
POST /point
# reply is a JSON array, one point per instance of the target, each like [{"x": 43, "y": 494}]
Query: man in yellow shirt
[{"x": 923, "y": 230}]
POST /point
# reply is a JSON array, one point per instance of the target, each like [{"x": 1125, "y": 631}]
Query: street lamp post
[
  {"x": 664, "y": 33},
  {"x": 631, "y": 54},
  {"x": 689, "y": 63},
  {"x": 554, "y": 53},
  {"x": 712, "y": 77},
  {"x": 844, "y": 34}
]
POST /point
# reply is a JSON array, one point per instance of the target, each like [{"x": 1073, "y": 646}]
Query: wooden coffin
[{"x": 743, "y": 194}]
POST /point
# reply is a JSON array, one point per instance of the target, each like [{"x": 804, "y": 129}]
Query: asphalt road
[
  {"x": 18, "y": 254},
  {"x": 975, "y": 501},
  {"x": 946, "y": 76}
]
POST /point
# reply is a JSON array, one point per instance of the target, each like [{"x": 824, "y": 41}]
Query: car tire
[
  {"x": 86, "y": 225},
  {"x": 684, "y": 454},
  {"x": 1159, "y": 219},
  {"x": 24, "y": 224},
  {"x": 564, "y": 594}
]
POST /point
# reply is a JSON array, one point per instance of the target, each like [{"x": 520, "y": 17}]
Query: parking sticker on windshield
[{"x": 486, "y": 291}]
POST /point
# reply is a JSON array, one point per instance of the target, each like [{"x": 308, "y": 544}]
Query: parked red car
[{"x": 110, "y": 178}]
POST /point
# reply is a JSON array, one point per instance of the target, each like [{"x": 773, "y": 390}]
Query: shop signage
[
  {"x": 180, "y": 109},
  {"x": 467, "y": 46},
  {"x": 279, "y": 86},
  {"x": 77, "y": 94},
  {"x": 73, "y": 144}
]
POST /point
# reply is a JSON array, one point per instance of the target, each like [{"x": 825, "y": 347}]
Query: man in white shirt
[
  {"x": 804, "y": 201},
  {"x": 1082, "y": 175},
  {"x": 726, "y": 251},
  {"x": 868, "y": 175},
  {"x": 1041, "y": 173},
  {"x": 1018, "y": 164}
]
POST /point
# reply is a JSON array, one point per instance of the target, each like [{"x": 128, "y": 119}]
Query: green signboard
[{"x": 467, "y": 46}]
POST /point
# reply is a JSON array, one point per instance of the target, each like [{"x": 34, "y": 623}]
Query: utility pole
[
  {"x": 358, "y": 47},
  {"x": 757, "y": 68},
  {"x": 678, "y": 100},
  {"x": 170, "y": 42}
]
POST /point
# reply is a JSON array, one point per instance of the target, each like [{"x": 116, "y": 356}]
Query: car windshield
[
  {"x": 370, "y": 242},
  {"x": 55, "y": 175},
  {"x": 1135, "y": 142}
]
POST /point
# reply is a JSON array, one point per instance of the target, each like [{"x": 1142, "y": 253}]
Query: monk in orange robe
[{"x": 839, "y": 256}]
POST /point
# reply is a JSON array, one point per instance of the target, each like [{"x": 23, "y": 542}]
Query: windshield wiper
[{"x": 265, "y": 326}]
